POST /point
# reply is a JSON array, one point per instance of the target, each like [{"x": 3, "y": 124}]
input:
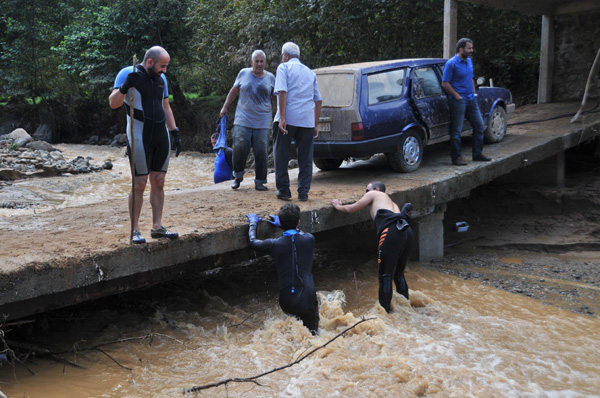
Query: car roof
[{"x": 374, "y": 66}]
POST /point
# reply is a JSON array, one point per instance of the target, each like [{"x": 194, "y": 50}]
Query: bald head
[
  {"x": 155, "y": 53},
  {"x": 156, "y": 61}
]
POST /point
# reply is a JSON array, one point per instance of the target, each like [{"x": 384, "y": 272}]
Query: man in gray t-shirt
[{"x": 252, "y": 122}]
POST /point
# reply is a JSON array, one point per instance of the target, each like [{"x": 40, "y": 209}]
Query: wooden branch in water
[
  {"x": 41, "y": 352},
  {"x": 114, "y": 360},
  {"x": 245, "y": 319},
  {"x": 65, "y": 362},
  {"x": 140, "y": 338},
  {"x": 10, "y": 354},
  {"x": 252, "y": 379},
  {"x": 16, "y": 323}
]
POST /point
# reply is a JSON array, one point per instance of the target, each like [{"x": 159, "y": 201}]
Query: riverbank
[{"x": 543, "y": 242}]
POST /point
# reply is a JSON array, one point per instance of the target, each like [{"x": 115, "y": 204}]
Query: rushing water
[
  {"x": 43, "y": 194},
  {"x": 455, "y": 338}
]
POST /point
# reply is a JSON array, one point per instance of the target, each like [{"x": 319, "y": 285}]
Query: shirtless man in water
[{"x": 395, "y": 235}]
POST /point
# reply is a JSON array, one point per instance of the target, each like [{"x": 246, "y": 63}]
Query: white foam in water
[{"x": 466, "y": 341}]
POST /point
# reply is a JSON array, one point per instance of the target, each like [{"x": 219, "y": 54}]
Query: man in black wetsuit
[
  {"x": 293, "y": 257},
  {"x": 153, "y": 127},
  {"x": 395, "y": 235}
]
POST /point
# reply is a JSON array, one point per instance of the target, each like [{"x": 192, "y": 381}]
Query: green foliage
[
  {"x": 511, "y": 59},
  {"x": 68, "y": 52},
  {"x": 27, "y": 30},
  {"x": 370, "y": 30},
  {"x": 106, "y": 34},
  {"x": 328, "y": 32}
]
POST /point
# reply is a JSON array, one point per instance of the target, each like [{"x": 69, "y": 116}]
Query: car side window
[
  {"x": 426, "y": 83},
  {"x": 385, "y": 86}
]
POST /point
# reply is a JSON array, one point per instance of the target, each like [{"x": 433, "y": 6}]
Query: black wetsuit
[
  {"x": 395, "y": 235},
  {"x": 152, "y": 139},
  {"x": 293, "y": 257}
]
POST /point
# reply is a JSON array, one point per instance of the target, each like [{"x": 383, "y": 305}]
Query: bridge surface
[{"x": 67, "y": 256}]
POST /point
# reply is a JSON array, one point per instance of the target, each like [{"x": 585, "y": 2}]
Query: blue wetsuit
[
  {"x": 293, "y": 257},
  {"x": 152, "y": 138},
  {"x": 395, "y": 235}
]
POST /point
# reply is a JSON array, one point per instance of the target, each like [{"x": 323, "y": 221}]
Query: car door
[
  {"x": 430, "y": 100},
  {"x": 384, "y": 108}
]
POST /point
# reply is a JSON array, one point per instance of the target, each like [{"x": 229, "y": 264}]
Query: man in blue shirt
[
  {"x": 297, "y": 119},
  {"x": 462, "y": 100}
]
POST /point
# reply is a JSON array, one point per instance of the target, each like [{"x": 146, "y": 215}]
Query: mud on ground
[{"x": 538, "y": 241}]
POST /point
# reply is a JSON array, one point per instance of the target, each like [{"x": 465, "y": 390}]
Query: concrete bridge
[{"x": 59, "y": 258}]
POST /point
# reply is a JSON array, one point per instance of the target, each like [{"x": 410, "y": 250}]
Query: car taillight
[{"x": 358, "y": 132}]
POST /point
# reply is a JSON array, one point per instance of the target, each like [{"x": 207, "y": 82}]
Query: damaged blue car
[{"x": 394, "y": 107}]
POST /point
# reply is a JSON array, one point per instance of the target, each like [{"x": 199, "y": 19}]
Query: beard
[{"x": 153, "y": 73}]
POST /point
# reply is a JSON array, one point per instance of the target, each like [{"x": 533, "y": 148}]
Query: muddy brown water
[{"x": 456, "y": 337}]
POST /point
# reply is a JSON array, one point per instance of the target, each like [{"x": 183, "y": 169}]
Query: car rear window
[
  {"x": 337, "y": 89},
  {"x": 385, "y": 86}
]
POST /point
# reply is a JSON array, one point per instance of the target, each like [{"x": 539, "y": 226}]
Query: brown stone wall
[{"x": 577, "y": 40}]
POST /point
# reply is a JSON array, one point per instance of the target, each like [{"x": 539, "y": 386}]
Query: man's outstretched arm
[
  {"x": 363, "y": 202},
  {"x": 256, "y": 243}
]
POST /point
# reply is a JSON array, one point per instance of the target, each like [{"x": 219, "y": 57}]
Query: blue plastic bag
[{"x": 223, "y": 170}]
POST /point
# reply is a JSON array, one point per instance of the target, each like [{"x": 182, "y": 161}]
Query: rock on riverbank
[{"x": 22, "y": 157}]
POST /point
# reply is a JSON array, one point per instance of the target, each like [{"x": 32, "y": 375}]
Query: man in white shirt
[{"x": 297, "y": 119}]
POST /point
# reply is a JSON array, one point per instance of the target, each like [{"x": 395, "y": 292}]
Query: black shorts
[{"x": 152, "y": 147}]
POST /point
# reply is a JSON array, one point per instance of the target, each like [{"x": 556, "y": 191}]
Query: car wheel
[
  {"x": 408, "y": 154},
  {"x": 496, "y": 129},
  {"x": 327, "y": 164}
]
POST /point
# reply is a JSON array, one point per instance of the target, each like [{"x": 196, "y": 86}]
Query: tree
[
  {"x": 106, "y": 34},
  {"x": 510, "y": 58},
  {"x": 28, "y": 28}
]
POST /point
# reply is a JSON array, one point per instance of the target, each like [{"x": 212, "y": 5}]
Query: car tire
[
  {"x": 496, "y": 129},
  {"x": 328, "y": 163},
  {"x": 408, "y": 154}
]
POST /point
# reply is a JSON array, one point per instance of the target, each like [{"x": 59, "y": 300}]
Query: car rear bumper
[{"x": 344, "y": 149}]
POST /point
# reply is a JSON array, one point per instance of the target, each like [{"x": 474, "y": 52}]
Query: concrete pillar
[
  {"x": 429, "y": 231},
  {"x": 450, "y": 37},
  {"x": 546, "y": 60},
  {"x": 550, "y": 172}
]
